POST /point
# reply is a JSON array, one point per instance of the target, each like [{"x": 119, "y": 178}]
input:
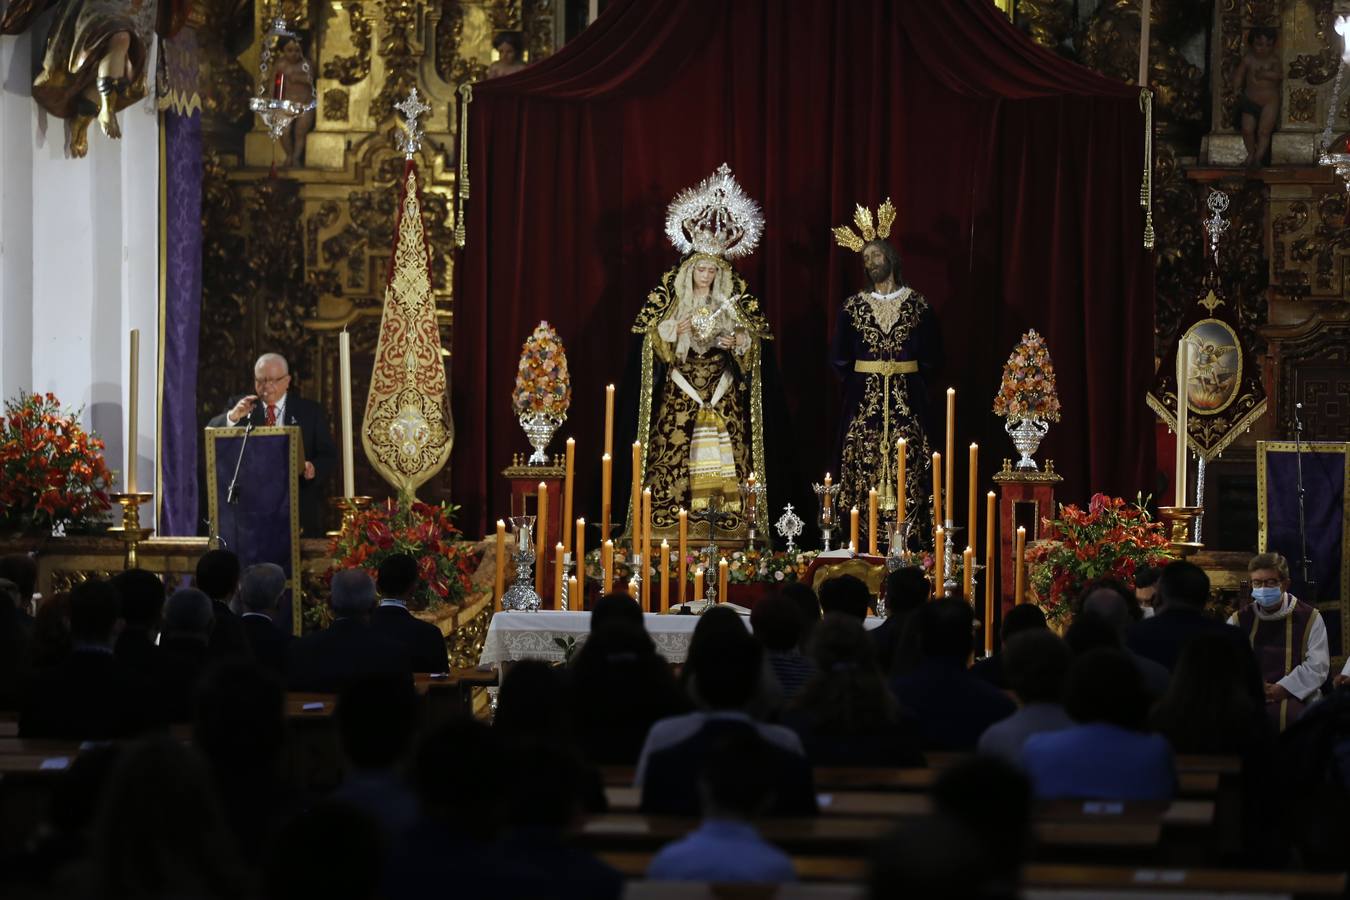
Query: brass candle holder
[
  {"x": 349, "y": 507},
  {"x": 130, "y": 531},
  {"x": 1179, "y": 519}
]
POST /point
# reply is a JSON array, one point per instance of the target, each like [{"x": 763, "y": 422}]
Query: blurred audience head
[
  {"x": 1022, "y": 617},
  {"x": 807, "y": 603},
  {"x": 22, "y": 569},
  {"x": 616, "y": 606},
  {"x": 9, "y": 594},
  {"x": 218, "y": 574},
  {"x": 330, "y": 850},
  {"x": 1089, "y": 631},
  {"x": 1208, "y": 707},
  {"x": 725, "y": 661},
  {"x": 777, "y": 623},
  {"x": 95, "y": 608},
  {"x": 459, "y": 767},
  {"x": 534, "y": 701},
  {"x": 1183, "y": 585},
  {"x": 161, "y": 831},
  {"x": 906, "y": 589},
  {"x": 936, "y": 858},
  {"x": 240, "y": 721},
  {"x": 735, "y": 780},
  {"x": 993, "y": 799},
  {"x": 1035, "y": 664},
  {"x": 189, "y": 613},
  {"x": 848, "y": 693},
  {"x": 398, "y": 577},
  {"x": 946, "y": 629},
  {"x": 261, "y": 587},
  {"x": 1113, "y": 601},
  {"x": 142, "y": 595},
  {"x": 845, "y": 594},
  {"x": 1105, "y": 685},
  {"x": 1146, "y": 584},
  {"x": 353, "y": 594},
  {"x": 377, "y": 716}
]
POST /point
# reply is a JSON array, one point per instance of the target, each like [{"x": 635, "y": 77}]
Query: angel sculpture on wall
[{"x": 94, "y": 63}]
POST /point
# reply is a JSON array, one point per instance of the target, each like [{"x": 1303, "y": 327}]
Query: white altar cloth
[{"x": 513, "y": 636}]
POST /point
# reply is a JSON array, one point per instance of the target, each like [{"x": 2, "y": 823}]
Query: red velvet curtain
[{"x": 1015, "y": 174}]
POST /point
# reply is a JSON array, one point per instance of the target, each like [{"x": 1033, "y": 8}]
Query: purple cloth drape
[
  {"x": 1324, "y": 508},
  {"x": 179, "y": 431}
]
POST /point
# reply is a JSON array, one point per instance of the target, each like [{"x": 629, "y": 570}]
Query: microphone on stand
[
  {"x": 232, "y": 492},
  {"x": 1304, "y": 564}
]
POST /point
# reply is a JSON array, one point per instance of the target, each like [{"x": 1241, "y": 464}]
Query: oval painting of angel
[{"x": 1216, "y": 366}]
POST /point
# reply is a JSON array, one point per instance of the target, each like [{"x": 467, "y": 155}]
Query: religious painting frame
[
  {"x": 291, "y": 433},
  {"x": 1339, "y": 607}
]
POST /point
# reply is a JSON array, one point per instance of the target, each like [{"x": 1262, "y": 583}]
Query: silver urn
[
  {"x": 539, "y": 428},
  {"x": 1026, "y": 436}
]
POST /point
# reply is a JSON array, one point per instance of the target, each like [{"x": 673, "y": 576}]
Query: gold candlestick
[
  {"x": 1179, "y": 519},
  {"x": 130, "y": 531},
  {"x": 348, "y": 507}
]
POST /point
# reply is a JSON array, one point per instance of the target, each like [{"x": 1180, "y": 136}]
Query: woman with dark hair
[
  {"x": 620, "y": 686},
  {"x": 1108, "y": 755},
  {"x": 161, "y": 831},
  {"x": 846, "y": 714}
]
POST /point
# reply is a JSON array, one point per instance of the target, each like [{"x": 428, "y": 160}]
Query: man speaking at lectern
[{"x": 272, "y": 405}]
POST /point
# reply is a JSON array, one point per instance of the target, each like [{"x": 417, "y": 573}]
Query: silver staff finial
[
  {"x": 410, "y": 139},
  {"x": 1216, "y": 224}
]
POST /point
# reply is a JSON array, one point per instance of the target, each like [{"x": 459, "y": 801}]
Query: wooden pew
[
  {"x": 1051, "y": 879},
  {"x": 837, "y": 778}
]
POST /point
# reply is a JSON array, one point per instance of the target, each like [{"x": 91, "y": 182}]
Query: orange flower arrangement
[
  {"x": 425, "y": 532},
  {"x": 542, "y": 382},
  {"x": 52, "y": 472},
  {"x": 1028, "y": 387},
  {"x": 1111, "y": 539}
]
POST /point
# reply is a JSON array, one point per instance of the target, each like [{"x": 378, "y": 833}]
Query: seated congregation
[{"x": 799, "y": 745}]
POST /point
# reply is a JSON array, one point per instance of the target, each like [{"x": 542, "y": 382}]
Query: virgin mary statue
[{"x": 700, "y": 411}]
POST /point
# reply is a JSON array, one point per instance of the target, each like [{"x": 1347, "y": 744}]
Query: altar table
[{"x": 514, "y": 636}]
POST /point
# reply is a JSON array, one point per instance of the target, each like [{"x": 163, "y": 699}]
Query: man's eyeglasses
[
  {"x": 1266, "y": 583},
  {"x": 264, "y": 382}
]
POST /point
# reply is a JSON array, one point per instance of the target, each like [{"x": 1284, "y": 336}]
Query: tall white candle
[
  {"x": 1183, "y": 418},
  {"x": 1145, "y": 14},
  {"x": 345, "y": 386},
  {"x": 133, "y": 412}
]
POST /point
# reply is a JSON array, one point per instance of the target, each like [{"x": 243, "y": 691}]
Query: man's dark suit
[
  {"x": 346, "y": 650},
  {"x": 1163, "y": 637},
  {"x": 953, "y": 706},
  {"x": 424, "y": 641},
  {"x": 88, "y": 696},
  {"x": 269, "y": 642},
  {"x": 227, "y": 635},
  {"x": 318, "y": 448}
]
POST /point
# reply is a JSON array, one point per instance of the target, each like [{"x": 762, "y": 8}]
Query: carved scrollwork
[
  {"x": 336, "y": 105},
  {"x": 400, "y": 53},
  {"x": 352, "y": 69},
  {"x": 1110, "y": 45},
  {"x": 1321, "y": 67},
  {"x": 1049, "y": 22}
]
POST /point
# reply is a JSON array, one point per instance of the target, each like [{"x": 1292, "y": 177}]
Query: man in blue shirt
[{"x": 734, "y": 787}]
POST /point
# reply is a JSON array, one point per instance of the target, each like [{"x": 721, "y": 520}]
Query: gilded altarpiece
[{"x": 293, "y": 255}]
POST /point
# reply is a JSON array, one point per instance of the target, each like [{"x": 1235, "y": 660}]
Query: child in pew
[{"x": 734, "y": 788}]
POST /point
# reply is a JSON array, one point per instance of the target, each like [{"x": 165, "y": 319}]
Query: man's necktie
[{"x": 271, "y": 414}]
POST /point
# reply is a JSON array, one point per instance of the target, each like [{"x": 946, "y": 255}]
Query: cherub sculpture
[{"x": 94, "y": 64}]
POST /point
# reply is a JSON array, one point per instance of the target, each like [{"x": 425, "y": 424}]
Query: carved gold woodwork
[
  {"x": 1048, "y": 22},
  {"x": 291, "y": 258}
]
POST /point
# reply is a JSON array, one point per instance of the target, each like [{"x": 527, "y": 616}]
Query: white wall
[{"x": 79, "y": 247}]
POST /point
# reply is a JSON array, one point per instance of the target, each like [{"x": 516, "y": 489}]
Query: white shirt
[
  {"x": 281, "y": 412},
  {"x": 1305, "y": 678}
]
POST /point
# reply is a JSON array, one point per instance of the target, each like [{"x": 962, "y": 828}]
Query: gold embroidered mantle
[
  {"x": 666, "y": 415},
  {"x": 407, "y": 431}
]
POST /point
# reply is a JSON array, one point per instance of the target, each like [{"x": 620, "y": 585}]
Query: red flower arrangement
[
  {"x": 425, "y": 532},
  {"x": 52, "y": 471},
  {"x": 1111, "y": 539}
]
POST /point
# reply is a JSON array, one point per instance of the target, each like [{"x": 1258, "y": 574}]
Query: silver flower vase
[
  {"x": 539, "y": 428},
  {"x": 1026, "y": 436}
]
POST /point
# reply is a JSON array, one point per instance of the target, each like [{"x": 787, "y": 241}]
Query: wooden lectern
[
  {"x": 1026, "y": 496},
  {"x": 253, "y": 494}
]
